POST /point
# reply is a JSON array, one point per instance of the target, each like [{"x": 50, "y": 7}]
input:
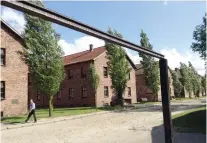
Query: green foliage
[
  {"x": 43, "y": 55},
  {"x": 203, "y": 84},
  {"x": 94, "y": 77},
  {"x": 176, "y": 84},
  {"x": 191, "y": 79},
  {"x": 186, "y": 78},
  {"x": 196, "y": 80},
  {"x": 199, "y": 35},
  {"x": 150, "y": 66},
  {"x": 118, "y": 66}
]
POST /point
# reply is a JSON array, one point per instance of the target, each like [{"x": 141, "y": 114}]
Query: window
[
  {"x": 105, "y": 71},
  {"x": 82, "y": 73},
  {"x": 106, "y": 91},
  {"x": 70, "y": 92},
  {"x": 70, "y": 74},
  {"x": 3, "y": 56},
  {"x": 38, "y": 96},
  {"x": 129, "y": 91},
  {"x": 2, "y": 90},
  {"x": 84, "y": 92},
  {"x": 129, "y": 76}
]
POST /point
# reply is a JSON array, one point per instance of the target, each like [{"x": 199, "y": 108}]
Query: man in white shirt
[{"x": 32, "y": 111}]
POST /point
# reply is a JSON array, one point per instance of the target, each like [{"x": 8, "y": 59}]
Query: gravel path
[{"x": 117, "y": 127}]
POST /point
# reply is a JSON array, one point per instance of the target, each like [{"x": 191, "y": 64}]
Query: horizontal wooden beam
[{"x": 60, "y": 19}]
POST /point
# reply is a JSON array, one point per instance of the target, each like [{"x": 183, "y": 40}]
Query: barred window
[
  {"x": 70, "y": 92},
  {"x": 2, "y": 90},
  {"x": 106, "y": 91}
]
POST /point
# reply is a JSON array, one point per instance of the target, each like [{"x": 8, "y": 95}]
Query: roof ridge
[{"x": 11, "y": 28}]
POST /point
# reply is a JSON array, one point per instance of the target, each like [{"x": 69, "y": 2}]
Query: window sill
[{"x": 84, "y": 97}]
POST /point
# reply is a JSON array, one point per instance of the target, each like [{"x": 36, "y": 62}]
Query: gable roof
[
  {"x": 83, "y": 56},
  {"x": 77, "y": 57},
  {"x": 3, "y": 23},
  {"x": 140, "y": 69},
  {"x": 88, "y": 56}
]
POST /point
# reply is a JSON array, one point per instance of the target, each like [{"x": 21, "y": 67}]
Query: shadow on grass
[
  {"x": 191, "y": 122},
  {"x": 158, "y": 136}
]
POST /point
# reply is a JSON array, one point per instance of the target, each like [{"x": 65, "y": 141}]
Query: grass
[
  {"x": 193, "y": 121},
  {"x": 57, "y": 112},
  {"x": 187, "y": 98}
]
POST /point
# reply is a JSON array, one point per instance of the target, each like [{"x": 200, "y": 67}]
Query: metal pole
[{"x": 166, "y": 101}]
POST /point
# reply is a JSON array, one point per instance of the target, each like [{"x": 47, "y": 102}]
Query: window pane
[
  {"x": 106, "y": 92},
  {"x": 2, "y": 89},
  {"x": 70, "y": 93},
  {"x": 84, "y": 92},
  {"x": 105, "y": 71}
]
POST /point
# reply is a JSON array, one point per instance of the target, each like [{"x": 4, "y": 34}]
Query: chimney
[{"x": 91, "y": 47}]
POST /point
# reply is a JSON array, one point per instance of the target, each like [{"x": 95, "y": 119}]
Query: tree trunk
[
  {"x": 95, "y": 100},
  {"x": 50, "y": 105},
  {"x": 120, "y": 99}
]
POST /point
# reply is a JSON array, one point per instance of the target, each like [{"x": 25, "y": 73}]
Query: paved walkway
[{"x": 144, "y": 126}]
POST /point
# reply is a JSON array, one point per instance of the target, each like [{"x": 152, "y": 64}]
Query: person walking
[{"x": 32, "y": 112}]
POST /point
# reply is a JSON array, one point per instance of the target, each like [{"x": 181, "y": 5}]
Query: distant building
[
  {"x": 76, "y": 89},
  {"x": 143, "y": 92},
  {"x": 14, "y": 73}
]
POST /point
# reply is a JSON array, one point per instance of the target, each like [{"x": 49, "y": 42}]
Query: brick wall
[
  {"x": 14, "y": 73},
  {"x": 100, "y": 63},
  {"x": 76, "y": 83},
  {"x": 144, "y": 92}
]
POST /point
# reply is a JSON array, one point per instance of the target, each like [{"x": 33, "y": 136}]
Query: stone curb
[{"x": 54, "y": 121}]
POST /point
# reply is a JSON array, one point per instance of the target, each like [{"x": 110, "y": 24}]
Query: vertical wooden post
[{"x": 166, "y": 100}]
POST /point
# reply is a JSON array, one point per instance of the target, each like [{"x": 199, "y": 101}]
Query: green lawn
[
  {"x": 187, "y": 98},
  {"x": 57, "y": 112},
  {"x": 191, "y": 121}
]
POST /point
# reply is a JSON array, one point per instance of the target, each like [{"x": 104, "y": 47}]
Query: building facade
[
  {"x": 143, "y": 92},
  {"x": 76, "y": 89},
  {"x": 14, "y": 73}
]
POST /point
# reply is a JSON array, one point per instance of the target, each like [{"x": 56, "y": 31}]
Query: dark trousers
[{"x": 30, "y": 114}]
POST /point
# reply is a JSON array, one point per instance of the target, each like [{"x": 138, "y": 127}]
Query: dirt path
[{"x": 118, "y": 127}]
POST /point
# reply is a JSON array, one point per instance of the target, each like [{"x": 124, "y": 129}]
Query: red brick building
[
  {"x": 14, "y": 73},
  {"x": 76, "y": 89},
  {"x": 145, "y": 93}
]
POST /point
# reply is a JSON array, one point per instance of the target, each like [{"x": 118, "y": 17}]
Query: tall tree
[
  {"x": 203, "y": 84},
  {"x": 150, "y": 66},
  {"x": 95, "y": 79},
  {"x": 195, "y": 80},
  {"x": 199, "y": 36},
  {"x": 176, "y": 84},
  {"x": 43, "y": 55},
  {"x": 186, "y": 78},
  {"x": 118, "y": 67}
]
